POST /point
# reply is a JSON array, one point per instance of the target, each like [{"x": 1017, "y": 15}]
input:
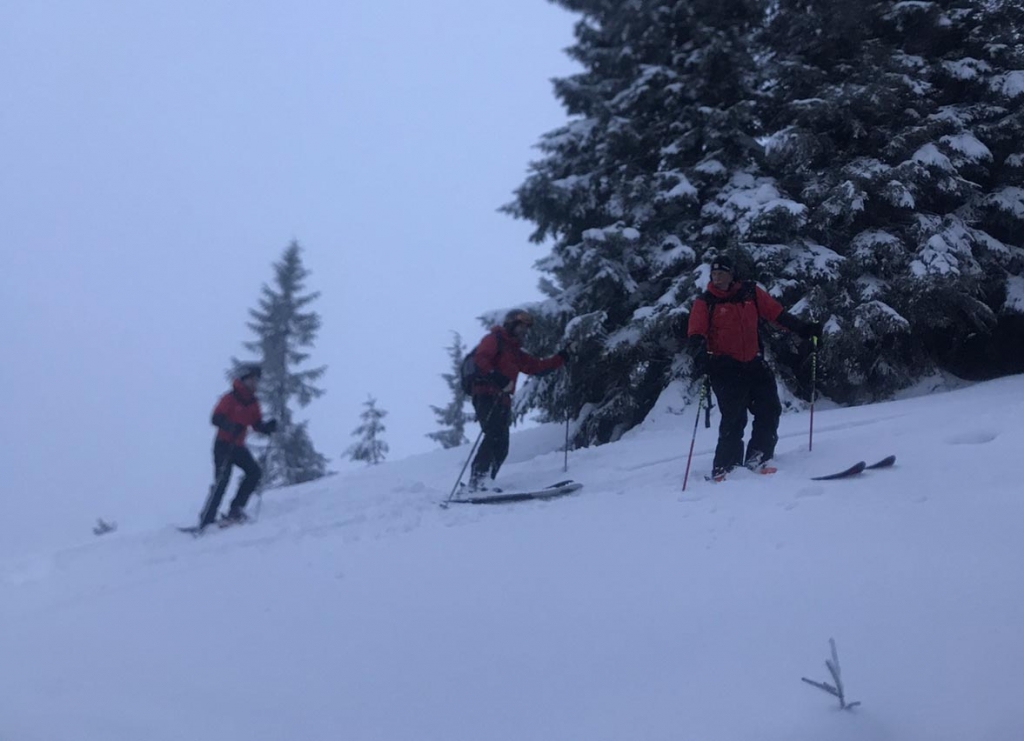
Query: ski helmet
[
  {"x": 249, "y": 371},
  {"x": 723, "y": 262},
  {"x": 517, "y": 316}
]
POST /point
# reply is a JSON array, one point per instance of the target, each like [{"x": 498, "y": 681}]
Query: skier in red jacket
[
  {"x": 236, "y": 411},
  {"x": 723, "y": 331},
  {"x": 499, "y": 360}
]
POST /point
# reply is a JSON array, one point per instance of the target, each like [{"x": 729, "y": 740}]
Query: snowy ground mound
[{"x": 357, "y": 608}]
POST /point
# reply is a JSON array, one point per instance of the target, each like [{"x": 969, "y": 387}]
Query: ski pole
[
  {"x": 472, "y": 450},
  {"x": 814, "y": 385},
  {"x": 565, "y": 466},
  {"x": 696, "y": 422},
  {"x": 259, "y": 489},
  {"x": 707, "y": 407}
]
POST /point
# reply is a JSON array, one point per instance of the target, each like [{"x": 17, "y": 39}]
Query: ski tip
[
  {"x": 853, "y": 470},
  {"x": 561, "y": 484},
  {"x": 884, "y": 463}
]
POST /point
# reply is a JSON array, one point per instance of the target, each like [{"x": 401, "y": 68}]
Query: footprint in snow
[{"x": 977, "y": 437}]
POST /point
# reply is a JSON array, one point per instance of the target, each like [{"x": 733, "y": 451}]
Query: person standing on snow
[
  {"x": 723, "y": 330},
  {"x": 236, "y": 411},
  {"x": 499, "y": 359}
]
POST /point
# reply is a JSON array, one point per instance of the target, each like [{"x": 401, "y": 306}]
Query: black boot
[{"x": 235, "y": 516}]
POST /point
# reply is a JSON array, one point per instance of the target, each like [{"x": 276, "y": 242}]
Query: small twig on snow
[
  {"x": 102, "y": 527},
  {"x": 835, "y": 690}
]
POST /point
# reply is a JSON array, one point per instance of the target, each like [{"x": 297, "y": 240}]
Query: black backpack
[{"x": 468, "y": 372}]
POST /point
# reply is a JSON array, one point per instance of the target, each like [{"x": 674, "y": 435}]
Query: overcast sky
[{"x": 157, "y": 158}]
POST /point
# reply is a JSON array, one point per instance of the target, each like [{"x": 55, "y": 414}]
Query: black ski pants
[
  {"x": 494, "y": 417},
  {"x": 225, "y": 456},
  {"x": 739, "y": 388}
]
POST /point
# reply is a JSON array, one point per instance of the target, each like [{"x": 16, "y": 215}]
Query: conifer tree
[
  {"x": 863, "y": 161},
  {"x": 663, "y": 119},
  {"x": 453, "y": 417},
  {"x": 370, "y": 447},
  {"x": 896, "y": 130},
  {"x": 285, "y": 330}
]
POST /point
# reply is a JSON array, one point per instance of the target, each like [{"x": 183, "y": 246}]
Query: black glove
[
  {"x": 699, "y": 347},
  {"x": 267, "y": 427},
  {"x": 700, "y": 364},
  {"x": 568, "y": 351},
  {"x": 803, "y": 329},
  {"x": 812, "y": 330},
  {"x": 232, "y": 428},
  {"x": 498, "y": 380}
]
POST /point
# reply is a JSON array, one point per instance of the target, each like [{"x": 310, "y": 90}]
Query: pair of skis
[
  {"x": 220, "y": 524},
  {"x": 497, "y": 496},
  {"x": 857, "y": 468}
]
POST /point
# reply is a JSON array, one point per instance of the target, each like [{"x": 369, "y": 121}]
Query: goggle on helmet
[{"x": 518, "y": 316}]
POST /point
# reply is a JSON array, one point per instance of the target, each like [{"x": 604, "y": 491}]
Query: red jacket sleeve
[
  {"x": 698, "y": 319},
  {"x": 531, "y": 365},
  {"x": 767, "y": 307},
  {"x": 486, "y": 354},
  {"x": 223, "y": 407}
]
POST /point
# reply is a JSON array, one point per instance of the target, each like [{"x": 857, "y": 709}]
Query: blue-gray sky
[{"x": 157, "y": 158}]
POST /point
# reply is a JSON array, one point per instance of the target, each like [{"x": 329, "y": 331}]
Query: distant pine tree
[
  {"x": 453, "y": 417},
  {"x": 370, "y": 447},
  {"x": 284, "y": 328}
]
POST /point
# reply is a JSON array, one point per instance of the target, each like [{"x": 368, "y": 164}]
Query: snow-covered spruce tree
[
  {"x": 285, "y": 328},
  {"x": 453, "y": 417},
  {"x": 370, "y": 447},
  {"x": 896, "y": 129},
  {"x": 662, "y": 119}
]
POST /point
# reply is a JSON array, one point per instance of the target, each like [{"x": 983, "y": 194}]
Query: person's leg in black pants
[
  {"x": 732, "y": 389},
  {"x": 244, "y": 460},
  {"x": 494, "y": 417},
  {"x": 766, "y": 410},
  {"x": 222, "y": 462}
]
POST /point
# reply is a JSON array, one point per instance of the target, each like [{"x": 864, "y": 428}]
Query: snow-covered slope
[{"x": 357, "y": 608}]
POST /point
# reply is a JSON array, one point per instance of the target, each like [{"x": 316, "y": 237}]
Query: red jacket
[
  {"x": 733, "y": 328},
  {"x": 238, "y": 406},
  {"x": 509, "y": 363}
]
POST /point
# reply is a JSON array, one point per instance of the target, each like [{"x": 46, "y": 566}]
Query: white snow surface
[{"x": 357, "y": 608}]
